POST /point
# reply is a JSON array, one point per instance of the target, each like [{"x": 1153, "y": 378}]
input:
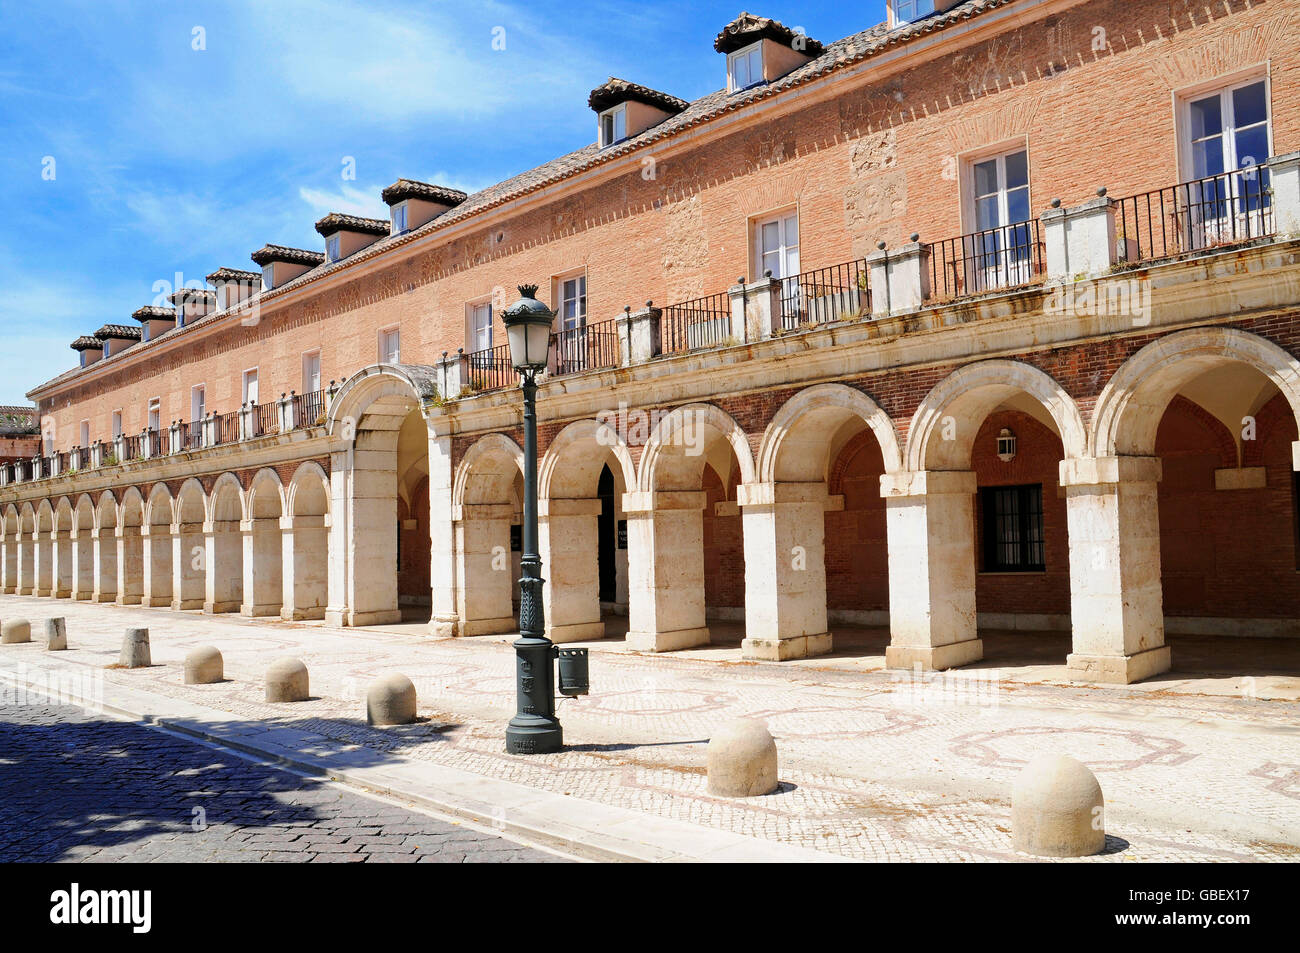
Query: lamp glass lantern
[{"x": 528, "y": 330}]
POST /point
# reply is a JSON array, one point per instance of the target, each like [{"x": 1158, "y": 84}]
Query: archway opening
[
  {"x": 130, "y": 549},
  {"x": 307, "y": 545},
  {"x": 189, "y": 548},
  {"x": 106, "y": 549},
  {"x": 414, "y": 580},
  {"x": 12, "y": 528},
  {"x": 158, "y": 548},
  {"x": 225, "y": 548},
  {"x": 83, "y": 549},
  {"x": 487, "y": 512},
  {"x": 263, "y": 553},
  {"x": 64, "y": 570},
  {"x": 44, "y": 549}
]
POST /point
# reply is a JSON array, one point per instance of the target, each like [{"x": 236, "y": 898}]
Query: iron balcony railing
[
  {"x": 191, "y": 434},
  {"x": 132, "y": 447},
  {"x": 226, "y": 427},
  {"x": 1194, "y": 216},
  {"x": 700, "y": 322},
  {"x": 996, "y": 259},
  {"x": 586, "y": 348},
  {"x": 266, "y": 419},
  {"x": 825, "y": 295},
  {"x": 488, "y": 369},
  {"x": 307, "y": 410}
]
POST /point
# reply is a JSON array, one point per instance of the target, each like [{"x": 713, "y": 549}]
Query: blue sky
[{"x": 168, "y": 159}]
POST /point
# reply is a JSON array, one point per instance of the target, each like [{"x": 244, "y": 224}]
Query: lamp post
[{"x": 534, "y": 729}]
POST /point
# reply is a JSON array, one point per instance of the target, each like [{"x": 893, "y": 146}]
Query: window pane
[
  {"x": 1249, "y": 105},
  {"x": 986, "y": 177},
  {"x": 1207, "y": 119},
  {"x": 771, "y": 237},
  {"x": 620, "y": 125},
  {"x": 1017, "y": 165},
  {"x": 1252, "y": 146},
  {"x": 1207, "y": 158},
  {"x": 1018, "y": 205},
  {"x": 986, "y": 213}
]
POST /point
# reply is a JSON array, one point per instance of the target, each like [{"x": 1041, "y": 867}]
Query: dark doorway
[{"x": 605, "y": 552}]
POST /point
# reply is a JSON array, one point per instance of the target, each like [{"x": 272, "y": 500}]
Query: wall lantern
[{"x": 1006, "y": 446}]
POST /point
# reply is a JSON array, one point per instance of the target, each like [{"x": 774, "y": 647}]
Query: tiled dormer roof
[
  {"x": 119, "y": 331},
  {"x": 404, "y": 189},
  {"x": 87, "y": 343},
  {"x": 294, "y": 256},
  {"x": 194, "y": 294},
  {"x": 233, "y": 274},
  {"x": 614, "y": 91},
  {"x": 152, "y": 313},
  {"x": 747, "y": 29},
  {"x": 338, "y": 222}
]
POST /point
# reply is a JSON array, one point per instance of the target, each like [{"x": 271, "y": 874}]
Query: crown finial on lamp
[{"x": 528, "y": 291}]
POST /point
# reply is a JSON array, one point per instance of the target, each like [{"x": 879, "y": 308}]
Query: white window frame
[
  {"x": 614, "y": 114},
  {"x": 333, "y": 248},
  {"x": 198, "y": 402},
  {"x": 473, "y": 339},
  {"x": 909, "y": 11},
  {"x": 780, "y": 218},
  {"x": 384, "y": 352},
  {"x": 268, "y": 275},
  {"x": 996, "y": 273},
  {"x": 84, "y": 434},
  {"x": 115, "y": 422},
  {"x": 744, "y": 53},
  {"x": 244, "y": 381},
  {"x": 580, "y": 298},
  {"x": 307, "y": 386},
  {"x": 153, "y": 411},
  {"x": 399, "y": 211}
]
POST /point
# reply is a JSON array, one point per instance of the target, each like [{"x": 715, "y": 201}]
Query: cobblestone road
[{"x": 78, "y": 787}]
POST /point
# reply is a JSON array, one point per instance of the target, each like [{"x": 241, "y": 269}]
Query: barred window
[{"x": 1013, "y": 528}]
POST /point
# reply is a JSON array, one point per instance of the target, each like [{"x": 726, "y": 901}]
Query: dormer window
[
  {"x": 332, "y": 248},
  {"x": 745, "y": 67},
  {"x": 907, "y": 11},
  {"x": 399, "y": 218},
  {"x": 613, "y": 125},
  {"x": 268, "y": 277}
]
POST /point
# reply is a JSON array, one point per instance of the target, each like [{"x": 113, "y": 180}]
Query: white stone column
[
  {"x": 304, "y": 543},
  {"x": 1284, "y": 178},
  {"x": 26, "y": 564},
  {"x": 9, "y": 565},
  {"x": 363, "y": 545},
  {"x": 43, "y": 552},
  {"x": 130, "y": 566},
  {"x": 263, "y": 566},
  {"x": 665, "y": 566},
  {"x": 157, "y": 563},
  {"x": 755, "y": 309},
  {"x": 83, "y": 563},
  {"x": 444, "y": 620},
  {"x": 785, "y": 570},
  {"x": 569, "y": 538},
  {"x": 485, "y": 583},
  {"x": 105, "y": 565},
  {"x": 639, "y": 334},
  {"x": 63, "y": 570},
  {"x": 336, "y": 610},
  {"x": 189, "y": 566},
  {"x": 930, "y": 526},
  {"x": 1079, "y": 242},
  {"x": 224, "y": 578},
  {"x": 1116, "y": 603},
  {"x": 899, "y": 278}
]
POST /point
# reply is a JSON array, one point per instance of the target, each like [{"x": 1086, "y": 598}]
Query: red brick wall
[
  {"x": 857, "y": 556},
  {"x": 724, "y": 546}
]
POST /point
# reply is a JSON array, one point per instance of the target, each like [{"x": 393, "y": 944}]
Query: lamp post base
[{"x": 543, "y": 737}]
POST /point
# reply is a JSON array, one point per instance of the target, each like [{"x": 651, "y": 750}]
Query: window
[
  {"x": 1013, "y": 528},
  {"x": 745, "y": 67},
  {"x": 390, "y": 346},
  {"x": 776, "y": 245},
  {"x": 198, "y": 403},
  {"x": 905, "y": 11},
  {"x": 250, "y": 386},
  {"x": 85, "y": 434},
  {"x": 268, "y": 273},
  {"x": 1000, "y": 252},
  {"x": 1227, "y": 131},
  {"x": 613, "y": 125},
  {"x": 332, "y": 248},
  {"x": 399, "y": 218},
  {"x": 480, "y": 326},
  {"x": 311, "y": 372},
  {"x": 155, "y": 414},
  {"x": 117, "y": 423},
  {"x": 573, "y": 303}
]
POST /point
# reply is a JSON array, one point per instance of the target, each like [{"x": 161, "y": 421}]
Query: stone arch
[
  {"x": 159, "y": 507},
  {"x": 63, "y": 515},
  {"x": 485, "y": 502},
  {"x": 43, "y": 548},
  {"x": 306, "y": 543},
  {"x": 488, "y": 471},
  {"x": 377, "y": 388},
  {"x": 64, "y": 567},
  {"x": 130, "y": 548},
  {"x": 106, "y": 547},
  {"x": 224, "y": 541},
  {"x": 189, "y": 546},
  {"x": 1130, "y": 407},
  {"x": 11, "y": 533},
  {"x": 159, "y": 514},
  {"x": 263, "y": 551},
  {"x": 673, "y": 439},
  {"x": 971, "y": 393},
  {"x": 808, "y": 421},
  {"x": 564, "y": 474},
  {"x": 308, "y": 491}
]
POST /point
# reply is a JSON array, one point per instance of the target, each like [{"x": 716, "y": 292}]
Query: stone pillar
[
  {"x": 444, "y": 620},
  {"x": 97, "y": 453},
  {"x": 665, "y": 568},
  {"x": 1284, "y": 177},
  {"x": 363, "y": 540},
  {"x": 451, "y": 374},
  {"x": 130, "y": 566},
  {"x": 189, "y": 566},
  {"x": 26, "y": 564},
  {"x": 176, "y": 442},
  {"x": 263, "y": 565},
  {"x": 157, "y": 562},
  {"x": 43, "y": 552},
  {"x": 570, "y": 545},
  {"x": 1079, "y": 242},
  {"x": 83, "y": 563},
  {"x": 899, "y": 279},
  {"x": 9, "y": 565},
  {"x": 639, "y": 334},
  {"x": 930, "y": 526},
  {"x": 1116, "y": 604},
  {"x": 208, "y": 429},
  {"x": 755, "y": 309},
  {"x": 224, "y": 577},
  {"x": 305, "y": 575},
  {"x": 105, "y": 565},
  {"x": 484, "y": 581},
  {"x": 785, "y": 570},
  {"x": 63, "y": 566}
]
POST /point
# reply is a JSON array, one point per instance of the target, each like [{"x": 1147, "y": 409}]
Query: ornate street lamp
[{"x": 534, "y": 729}]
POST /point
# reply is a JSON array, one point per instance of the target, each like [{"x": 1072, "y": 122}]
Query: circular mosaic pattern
[{"x": 1101, "y": 749}]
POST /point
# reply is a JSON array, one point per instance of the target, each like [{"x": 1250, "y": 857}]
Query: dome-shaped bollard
[
  {"x": 391, "y": 701},
  {"x": 741, "y": 760},
  {"x": 135, "y": 649},
  {"x": 13, "y": 631},
  {"x": 56, "y": 634},
  {"x": 203, "y": 666},
  {"x": 286, "y": 681},
  {"x": 1056, "y": 809}
]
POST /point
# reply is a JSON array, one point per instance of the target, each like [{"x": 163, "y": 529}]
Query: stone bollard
[
  {"x": 56, "y": 634},
  {"x": 1056, "y": 809},
  {"x": 203, "y": 666},
  {"x": 135, "y": 649},
  {"x": 286, "y": 681},
  {"x": 13, "y": 631},
  {"x": 391, "y": 701},
  {"x": 741, "y": 760}
]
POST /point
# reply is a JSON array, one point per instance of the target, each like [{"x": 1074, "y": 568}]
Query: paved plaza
[{"x": 875, "y": 765}]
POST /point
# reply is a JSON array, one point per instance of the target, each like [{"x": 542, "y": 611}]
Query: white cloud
[{"x": 350, "y": 199}]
